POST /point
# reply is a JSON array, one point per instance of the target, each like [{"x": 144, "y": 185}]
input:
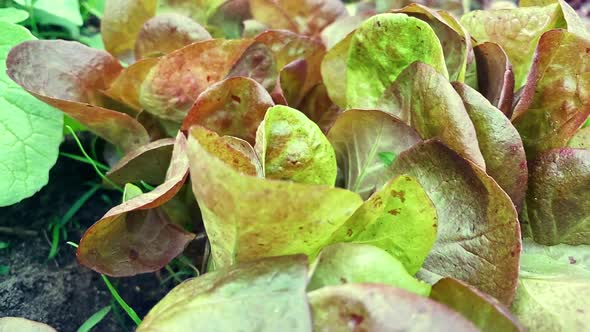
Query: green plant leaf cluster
[{"x": 396, "y": 161}]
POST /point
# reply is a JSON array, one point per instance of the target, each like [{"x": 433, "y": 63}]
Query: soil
[{"x": 60, "y": 292}]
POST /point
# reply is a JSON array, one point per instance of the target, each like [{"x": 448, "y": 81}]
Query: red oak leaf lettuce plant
[{"x": 342, "y": 178}]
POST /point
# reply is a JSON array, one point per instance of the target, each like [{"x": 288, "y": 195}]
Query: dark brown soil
[{"x": 61, "y": 292}]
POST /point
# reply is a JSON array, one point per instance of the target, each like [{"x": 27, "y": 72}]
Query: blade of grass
[
  {"x": 102, "y": 166},
  {"x": 94, "y": 319},
  {"x": 132, "y": 314},
  {"x": 92, "y": 162}
]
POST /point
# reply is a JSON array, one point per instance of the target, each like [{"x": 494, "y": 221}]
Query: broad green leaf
[
  {"x": 68, "y": 10},
  {"x": 308, "y": 17},
  {"x": 9, "y": 324},
  {"x": 553, "y": 288},
  {"x": 138, "y": 236},
  {"x": 380, "y": 49},
  {"x": 359, "y": 137},
  {"x": 13, "y": 15},
  {"x": 165, "y": 33},
  {"x": 426, "y": 100},
  {"x": 295, "y": 217},
  {"x": 235, "y": 106},
  {"x": 482, "y": 310},
  {"x": 555, "y": 103},
  {"x": 175, "y": 82},
  {"x": 30, "y": 130},
  {"x": 380, "y": 308},
  {"x": 557, "y": 198},
  {"x": 495, "y": 79},
  {"x": 345, "y": 263},
  {"x": 478, "y": 239},
  {"x": 291, "y": 147},
  {"x": 499, "y": 142},
  {"x": 71, "y": 77},
  {"x": 454, "y": 43},
  {"x": 399, "y": 218},
  {"x": 266, "y": 296}
]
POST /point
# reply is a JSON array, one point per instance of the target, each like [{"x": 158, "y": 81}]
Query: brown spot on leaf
[
  {"x": 349, "y": 232},
  {"x": 355, "y": 320},
  {"x": 343, "y": 280},
  {"x": 133, "y": 255},
  {"x": 399, "y": 194},
  {"x": 378, "y": 202},
  {"x": 572, "y": 260},
  {"x": 393, "y": 212},
  {"x": 236, "y": 99}
]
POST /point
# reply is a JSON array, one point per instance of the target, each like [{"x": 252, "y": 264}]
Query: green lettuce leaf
[
  {"x": 426, "y": 101},
  {"x": 380, "y": 49},
  {"x": 266, "y": 295},
  {"x": 375, "y": 307},
  {"x": 478, "y": 239},
  {"x": 454, "y": 43},
  {"x": 30, "y": 130},
  {"x": 557, "y": 198},
  {"x": 292, "y": 147},
  {"x": 344, "y": 263},
  {"x": 13, "y": 15},
  {"x": 359, "y": 137},
  {"x": 499, "y": 142},
  {"x": 482, "y": 310},
  {"x": 553, "y": 288},
  {"x": 399, "y": 218},
  {"x": 295, "y": 218}
]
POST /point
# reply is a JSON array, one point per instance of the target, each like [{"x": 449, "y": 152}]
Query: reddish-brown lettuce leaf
[
  {"x": 426, "y": 100},
  {"x": 258, "y": 63},
  {"x": 454, "y": 44},
  {"x": 495, "y": 78},
  {"x": 230, "y": 17},
  {"x": 482, "y": 310},
  {"x": 137, "y": 235},
  {"x": 499, "y": 142},
  {"x": 318, "y": 107},
  {"x": 125, "y": 88},
  {"x": 380, "y": 308},
  {"x": 295, "y": 218},
  {"x": 148, "y": 163},
  {"x": 121, "y": 22},
  {"x": 478, "y": 233},
  {"x": 172, "y": 85},
  {"x": 70, "y": 76},
  {"x": 555, "y": 102},
  {"x": 516, "y": 30},
  {"x": 166, "y": 33},
  {"x": 235, "y": 106},
  {"x": 308, "y": 17},
  {"x": 265, "y": 295},
  {"x": 359, "y": 137},
  {"x": 558, "y": 196},
  {"x": 288, "y": 47},
  {"x": 289, "y": 89}
]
